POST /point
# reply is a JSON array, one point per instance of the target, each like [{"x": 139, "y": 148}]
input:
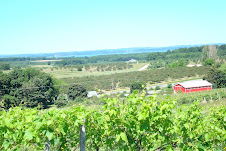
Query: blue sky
[{"x": 37, "y": 26}]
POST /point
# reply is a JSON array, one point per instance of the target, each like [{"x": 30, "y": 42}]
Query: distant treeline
[
  {"x": 10, "y": 59},
  {"x": 192, "y": 54},
  {"x": 107, "y": 82},
  {"x": 181, "y": 53},
  {"x": 102, "y": 59}
]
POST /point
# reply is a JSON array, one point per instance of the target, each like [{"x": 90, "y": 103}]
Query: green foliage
[
  {"x": 179, "y": 63},
  {"x": 4, "y": 66},
  {"x": 30, "y": 86},
  {"x": 169, "y": 85},
  {"x": 101, "y": 59},
  {"x": 181, "y": 53},
  {"x": 79, "y": 68},
  {"x": 137, "y": 86},
  {"x": 61, "y": 100},
  {"x": 139, "y": 123},
  {"x": 157, "y": 87},
  {"x": 216, "y": 77},
  {"x": 222, "y": 51},
  {"x": 104, "y": 82},
  {"x": 188, "y": 98},
  {"x": 9, "y": 101},
  {"x": 209, "y": 62},
  {"x": 76, "y": 90},
  {"x": 223, "y": 67},
  {"x": 28, "y": 129}
]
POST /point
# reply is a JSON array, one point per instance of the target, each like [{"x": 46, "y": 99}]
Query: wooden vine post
[
  {"x": 82, "y": 137},
  {"x": 47, "y": 145}
]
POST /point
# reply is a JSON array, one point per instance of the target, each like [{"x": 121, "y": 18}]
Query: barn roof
[{"x": 195, "y": 83}]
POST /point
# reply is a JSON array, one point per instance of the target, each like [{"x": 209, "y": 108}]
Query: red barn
[{"x": 193, "y": 86}]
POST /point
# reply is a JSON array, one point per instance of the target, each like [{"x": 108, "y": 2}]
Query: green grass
[{"x": 69, "y": 73}]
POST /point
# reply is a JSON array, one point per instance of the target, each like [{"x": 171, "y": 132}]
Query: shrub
[
  {"x": 76, "y": 90},
  {"x": 61, "y": 101},
  {"x": 137, "y": 86},
  {"x": 157, "y": 87}
]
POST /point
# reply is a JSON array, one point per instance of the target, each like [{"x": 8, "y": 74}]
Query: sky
[{"x": 46, "y": 26}]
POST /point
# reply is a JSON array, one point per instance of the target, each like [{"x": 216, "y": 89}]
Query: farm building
[
  {"x": 193, "y": 86},
  {"x": 91, "y": 94},
  {"x": 132, "y": 60}
]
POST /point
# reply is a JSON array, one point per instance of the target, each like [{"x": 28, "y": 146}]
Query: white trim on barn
[{"x": 195, "y": 83}]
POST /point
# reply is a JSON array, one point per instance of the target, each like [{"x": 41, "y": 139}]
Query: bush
[
  {"x": 139, "y": 86},
  {"x": 157, "y": 87},
  {"x": 79, "y": 68},
  {"x": 61, "y": 101},
  {"x": 4, "y": 66},
  {"x": 209, "y": 62},
  {"x": 76, "y": 90},
  {"x": 169, "y": 85}
]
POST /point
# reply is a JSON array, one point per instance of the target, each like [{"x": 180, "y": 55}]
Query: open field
[{"x": 69, "y": 73}]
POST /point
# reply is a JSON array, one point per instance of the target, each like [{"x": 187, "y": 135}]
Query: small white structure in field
[
  {"x": 190, "y": 65},
  {"x": 198, "y": 65},
  {"x": 91, "y": 93},
  {"x": 125, "y": 95},
  {"x": 131, "y": 61}
]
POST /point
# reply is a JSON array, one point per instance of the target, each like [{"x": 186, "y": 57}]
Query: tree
[
  {"x": 179, "y": 63},
  {"x": 216, "y": 77},
  {"x": 209, "y": 62},
  {"x": 9, "y": 101},
  {"x": 4, "y": 66},
  {"x": 30, "y": 87},
  {"x": 79, "y": 68},
  {"x": 61, "y": 101},
  {"x": 209, "y": 52},
  {"x": 76, "y": 90},
  {"x": 169, "y": 85},
  {"x": 157, "y": 87},
  {"x": 137, "y": 86}
]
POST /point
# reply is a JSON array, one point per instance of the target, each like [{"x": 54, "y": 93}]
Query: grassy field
[{"x": 68, "y": 73}]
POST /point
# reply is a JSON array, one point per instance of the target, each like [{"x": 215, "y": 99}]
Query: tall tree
[
  {"x": 30, "y": 87},
  {"x": 76, "y": 90},
  {"x": 216, "y": 77}
]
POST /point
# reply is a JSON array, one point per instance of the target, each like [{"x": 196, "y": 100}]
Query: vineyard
[
  {"x": 137, "y": 123},
  {"x": 206, "y": 96},
  {"x": 122, "y": 80}
]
